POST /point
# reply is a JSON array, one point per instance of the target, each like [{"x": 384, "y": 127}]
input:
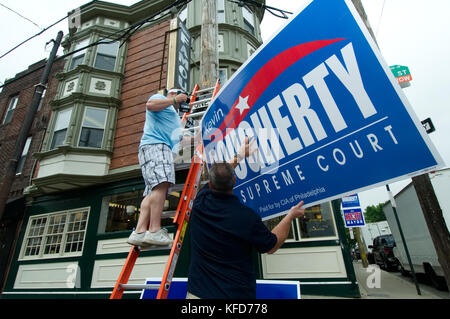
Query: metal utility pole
[
  {"x": 394, "y": 209},
  {"x": 361, "y": 246},
  {"x": 435, "y": 221},
  {"x": 209, "y": 58},
  {"x": 27, "y": 123}
]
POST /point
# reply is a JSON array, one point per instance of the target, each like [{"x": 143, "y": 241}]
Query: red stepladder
[{"x": 184, "y": 208}]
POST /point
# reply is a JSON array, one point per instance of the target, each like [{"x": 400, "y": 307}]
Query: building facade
[
  {"x": 85, "y": 197},
  {"x": 15, "y": 100}
]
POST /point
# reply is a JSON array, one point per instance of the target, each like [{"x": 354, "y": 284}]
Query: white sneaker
[
  {"x": 136, "y": 239},
  {"x": 160, "y": 238}
]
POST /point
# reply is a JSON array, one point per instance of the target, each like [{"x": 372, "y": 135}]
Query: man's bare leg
[
  {"x": 157, "y": 199},
  {"x": 144, "y": 216}
]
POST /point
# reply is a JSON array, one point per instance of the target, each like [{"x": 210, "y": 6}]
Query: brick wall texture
[
  {"x": 24, "y": 89},
  {"x": 144, "y": 63}
]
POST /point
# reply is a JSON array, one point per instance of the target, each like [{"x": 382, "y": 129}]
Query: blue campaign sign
[
  {"x": 354, "y": 217},
  {"x": 265, "y": 289},
  {"x": 350, "y": 201},
  {"x": 328, "y": 116}
]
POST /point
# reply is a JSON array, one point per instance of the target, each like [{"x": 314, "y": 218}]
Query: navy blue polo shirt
[{"x": 223, "y": 233}]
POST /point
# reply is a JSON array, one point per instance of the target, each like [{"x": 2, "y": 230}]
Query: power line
[
  {"x": 1, "y": 4},
  {"x": 126, "y": 34},
  {"x": 379, "y": 20},
  {"x": 279, "y": 12},
  {"x": 34, "y": 36}
]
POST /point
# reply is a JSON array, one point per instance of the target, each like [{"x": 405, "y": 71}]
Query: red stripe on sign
[{"x": 261, "y": 81}]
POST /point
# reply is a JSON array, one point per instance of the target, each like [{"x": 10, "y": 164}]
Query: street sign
[
  {"x": 428, "y": 125},
  {"x": 402, "y": 75},
  {"x": 350, "y": 201},
  {"x": 326, "y": 112},
  {"x": 354, "y": 217}
]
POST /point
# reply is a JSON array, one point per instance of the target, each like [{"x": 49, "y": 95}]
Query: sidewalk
[{"x": 391, "y": 285}]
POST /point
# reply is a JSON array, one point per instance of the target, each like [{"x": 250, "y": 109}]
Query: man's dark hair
[{"x": 221, "y": 176}]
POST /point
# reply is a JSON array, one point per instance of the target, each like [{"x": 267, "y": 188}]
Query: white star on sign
[{"x": 243, "y": 104}]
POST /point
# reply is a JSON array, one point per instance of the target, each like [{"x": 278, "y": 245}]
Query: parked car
[{"x": 383, "y": 252}]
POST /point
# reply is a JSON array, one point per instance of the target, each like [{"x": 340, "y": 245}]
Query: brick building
[
  {"x": 85, "y": 195},
  {"x": 15, "y": 100}
]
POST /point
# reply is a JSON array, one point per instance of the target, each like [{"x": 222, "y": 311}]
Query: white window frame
[
  {"x": 116, "y": 56},
  {"x": 221, "y": 11},
  {"x": 79, "y": 45},
  {"x": 45, "y": 235},
  {"x": 301, "y": 240},
  {"x": 66, "y": 128},
  {"x": 23, "y": 157},
  {"x": 246, "y": 13},
  {"x": 82, "y": 125},
  {"x": 225, "y": 70},
  {"x": 11, "y": 107}
]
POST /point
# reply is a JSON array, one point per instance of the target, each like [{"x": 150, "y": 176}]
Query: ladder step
[
  {"x": 206, "y": 90},
  {"x": 194, "y": 128},
  {"x": 196, "y": 114},
  {"x": 195, "y": 103},
  {"x": 140, "y": 286}
]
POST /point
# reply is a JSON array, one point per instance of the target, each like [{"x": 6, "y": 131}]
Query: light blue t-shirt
[{"x": 162, "y": 127}]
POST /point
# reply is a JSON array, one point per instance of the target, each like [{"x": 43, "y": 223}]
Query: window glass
[
  {"x": 249, "y": 20},
  {"x": 317, "y": 222},
  {"x": 223, "y": 76},
  {"x": 10, "y": 111},
  {"x": 93, "y": 127},
  {"x": 23, "y": 157},
  {"x": 61, "y": 125},
  {"x": 271, "y": 223},
  {"x": 106, "y": 56},
  {"x": 120, "y": 212},
  {"x": 55, "y": 235},
  {"x": 220, "y": 11},
  {"x": 78, "y": 58}
]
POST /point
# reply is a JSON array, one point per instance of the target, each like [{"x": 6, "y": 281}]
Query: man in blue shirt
[
  {"x": 160, "y": 139},
  {"x": 223, "y": 234}
]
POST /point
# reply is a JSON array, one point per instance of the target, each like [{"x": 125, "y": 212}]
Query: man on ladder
[
  {"x": 160, "y": 139},
  {"x": 223, "y": 233}
]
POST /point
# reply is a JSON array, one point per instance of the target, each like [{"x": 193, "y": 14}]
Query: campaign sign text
[
  {"x": 354, "y": 217},
  {"x": 327, "y": 114},
  {"x": 350, "y": 201}
]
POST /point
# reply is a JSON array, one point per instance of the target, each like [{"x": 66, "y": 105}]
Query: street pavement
[{"x": 375, "y": 283}]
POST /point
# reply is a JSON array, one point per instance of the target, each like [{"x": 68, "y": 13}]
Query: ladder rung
[
  {"x": 196, "y": 114},
  {"x": 195, "y": 103},
  {"x": 206, "y": 90},
  {"x": 140, "y": 286},
  {"x": 194, "y": 128}
]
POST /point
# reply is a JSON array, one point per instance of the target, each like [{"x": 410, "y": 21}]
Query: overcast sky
[{"x": 409, "y": 32}]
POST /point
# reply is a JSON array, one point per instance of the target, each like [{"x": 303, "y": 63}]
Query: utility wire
[
  {"x": 34, "y": 36},
  {"x": 379, "y": 20},
  {"x": 279, "y": 12},
  {"x": 1, "y": 4},
  {"x": 123, "y": 34}
]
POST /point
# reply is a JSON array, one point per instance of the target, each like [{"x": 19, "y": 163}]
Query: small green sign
[{"x": 399, "y": 70}]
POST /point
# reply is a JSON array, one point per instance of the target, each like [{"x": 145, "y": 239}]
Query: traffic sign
[
  {"x": 402, "y": 74},
  {"x": 326, "y": 112}
]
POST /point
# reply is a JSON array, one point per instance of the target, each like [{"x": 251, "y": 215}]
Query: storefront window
[
  {"x": 271, "y": 223},
  {"x": 317, "y": 222},
  {"x": 120, "y": 212}
]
